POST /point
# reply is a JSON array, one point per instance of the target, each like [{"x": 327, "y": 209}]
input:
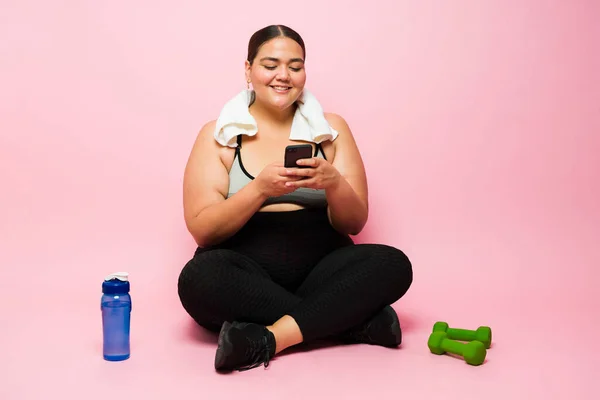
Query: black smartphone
[{"x": 294, "y": 152}]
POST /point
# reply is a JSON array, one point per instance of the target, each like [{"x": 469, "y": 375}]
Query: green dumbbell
[
  {"x": 473, "y": 352},
  {"x": 483, "y": 334}
]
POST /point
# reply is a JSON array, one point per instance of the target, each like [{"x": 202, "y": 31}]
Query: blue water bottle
[{"x": 116, "y": 316}]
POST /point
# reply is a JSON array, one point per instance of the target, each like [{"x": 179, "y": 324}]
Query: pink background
[{"x": 479, "y": 124}]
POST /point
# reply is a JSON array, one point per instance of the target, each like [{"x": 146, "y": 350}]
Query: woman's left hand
[{"x": 320, "y": 175}]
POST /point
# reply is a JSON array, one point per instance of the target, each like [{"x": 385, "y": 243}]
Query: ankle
[
  {"x": 279, "y": 345},
  {"x": 286, "y": 332}
]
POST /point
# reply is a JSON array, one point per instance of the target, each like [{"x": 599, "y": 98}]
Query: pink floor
[{"x": 543, "y": 325}]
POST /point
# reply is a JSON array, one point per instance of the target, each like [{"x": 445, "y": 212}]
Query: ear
[{"x": 247, "y": 67}]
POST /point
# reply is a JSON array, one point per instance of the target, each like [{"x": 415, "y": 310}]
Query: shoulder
[
  {"x": 205, "y": 140},
  {"x": 205, "y": 137},
  {"x": 207, "y": 130},
  {"x": 344, "y": 143},
  {"x": 337, "y": 122}
]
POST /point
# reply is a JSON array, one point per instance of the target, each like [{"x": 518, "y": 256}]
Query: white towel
[{"x": 309, "y": 123}]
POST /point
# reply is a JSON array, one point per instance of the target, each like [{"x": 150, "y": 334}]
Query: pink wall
[{"x": 479, "y": 123}]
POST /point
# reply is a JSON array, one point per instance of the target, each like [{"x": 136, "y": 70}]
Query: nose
[{"x": 283, "y": 74}]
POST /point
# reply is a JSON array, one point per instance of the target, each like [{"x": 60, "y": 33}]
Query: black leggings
[{"x": 293, "y": 263}]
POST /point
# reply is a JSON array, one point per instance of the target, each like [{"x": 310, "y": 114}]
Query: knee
[
  {"x": 396, "y": 268},
  {"x": 196, "y": 287},
  {"x": 198, "y": 277}
]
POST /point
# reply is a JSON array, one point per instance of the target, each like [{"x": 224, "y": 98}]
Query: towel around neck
[{"x": 309, "y": 123}]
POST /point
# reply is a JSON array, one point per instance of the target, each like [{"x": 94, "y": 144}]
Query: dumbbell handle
[
  {"x": 483, "y": 333},
  {"x": 473, "y": 352},
  {"x": 452, "y": 346},
  {"x": 461, "y": 334}
]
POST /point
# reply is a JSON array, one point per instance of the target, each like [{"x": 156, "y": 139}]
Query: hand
[
  {"x": 272, "y": 180},
  {"x": 320, "y": 175}
]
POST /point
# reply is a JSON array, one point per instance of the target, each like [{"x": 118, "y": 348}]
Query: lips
[{"x": 280, "y": 89}]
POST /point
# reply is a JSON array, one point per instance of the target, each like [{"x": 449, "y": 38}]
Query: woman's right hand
[{"x": 271, "y": 180}]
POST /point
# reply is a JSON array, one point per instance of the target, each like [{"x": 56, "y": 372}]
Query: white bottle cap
[{"x": 122, "y": 276}]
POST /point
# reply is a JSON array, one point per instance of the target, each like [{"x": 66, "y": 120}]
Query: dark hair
[{"x": 270, "y": 32}]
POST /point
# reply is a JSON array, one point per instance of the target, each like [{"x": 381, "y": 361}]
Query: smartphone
[{"x": 295, "y": 152}]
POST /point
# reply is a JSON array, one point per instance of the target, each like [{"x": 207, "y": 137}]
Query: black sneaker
[
  {"x": 383, "y": 330},
  {"x": 244, "y": 346}
]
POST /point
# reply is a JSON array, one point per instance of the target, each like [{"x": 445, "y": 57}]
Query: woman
[{"x": 275, "y": 265}]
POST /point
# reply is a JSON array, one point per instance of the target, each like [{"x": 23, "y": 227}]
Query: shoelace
[{"x": 258, "y": 352}]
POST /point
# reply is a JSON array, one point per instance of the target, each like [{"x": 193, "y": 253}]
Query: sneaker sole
[
  {"x": 393, "y": 338},
  {"x": 388, "y": 335},
  {"x": 395, "y": 327},
  {"x": 223, "y": 346}
]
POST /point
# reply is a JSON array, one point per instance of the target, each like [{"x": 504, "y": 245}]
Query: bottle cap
[
  {"x": 122, "y": 276},
  {"x": 117, "y": 282}
]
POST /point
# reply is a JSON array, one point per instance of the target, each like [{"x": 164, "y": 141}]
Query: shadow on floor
[
  {"x": 203, "y": 335},
  {"x": 199, "y": 334}
]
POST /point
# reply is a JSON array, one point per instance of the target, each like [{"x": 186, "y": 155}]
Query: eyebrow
[{"x": 277, "y": 59}]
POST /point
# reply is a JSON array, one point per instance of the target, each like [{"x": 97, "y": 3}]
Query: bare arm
[
  {"x": 209, "y": 216},
  {"x": 348, "y": 201},
  {"x": 343, "y": 180}
]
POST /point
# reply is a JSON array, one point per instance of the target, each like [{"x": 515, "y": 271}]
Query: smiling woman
[
  {"x": 275, "y": 265},
  {"x": 275, "y": 65}
]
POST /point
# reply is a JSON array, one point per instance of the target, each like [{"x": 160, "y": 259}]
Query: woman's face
[{"x": 277, "y": 73}]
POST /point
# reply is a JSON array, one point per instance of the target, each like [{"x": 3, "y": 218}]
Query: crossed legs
[{"x": 344, "y": 290}]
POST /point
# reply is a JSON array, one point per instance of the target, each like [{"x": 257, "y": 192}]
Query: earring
[{"x": 248, "y": 84}]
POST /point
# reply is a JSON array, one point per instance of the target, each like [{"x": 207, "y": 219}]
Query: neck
[{"x": 262, "y": 111}]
